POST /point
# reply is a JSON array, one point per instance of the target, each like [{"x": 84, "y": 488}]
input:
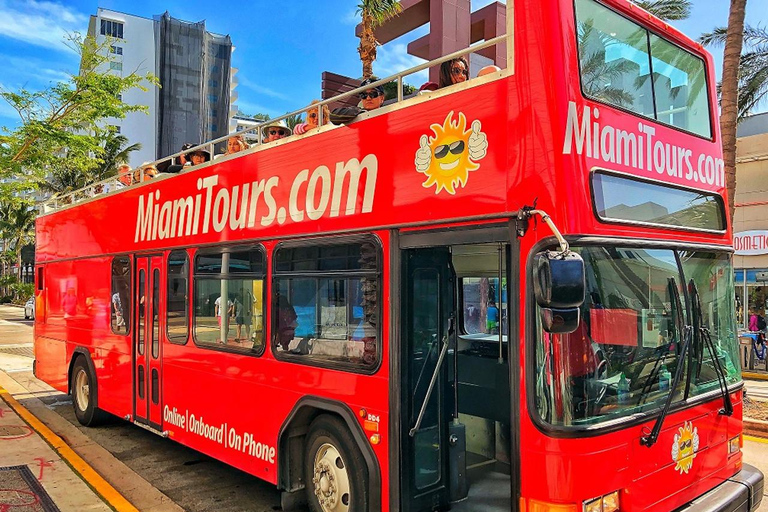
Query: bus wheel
[
  {"x": 334, "y": 468},
  {"x": 83, "y": 386}
]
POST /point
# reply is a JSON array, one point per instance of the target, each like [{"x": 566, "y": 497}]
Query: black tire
[
  {"x": 329, "y": 440},
  {"x": 83, "y": 389}
]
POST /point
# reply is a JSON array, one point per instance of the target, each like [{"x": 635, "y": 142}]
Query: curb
[
  {"x": 754, "y": 376},
  {"x": 95, "y": 481},
  {"x": 755, "y": 428}
]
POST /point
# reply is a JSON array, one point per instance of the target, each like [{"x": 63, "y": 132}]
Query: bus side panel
[
  {"x": 78, "y": 315},
  {"x": 232, "y": 406}
]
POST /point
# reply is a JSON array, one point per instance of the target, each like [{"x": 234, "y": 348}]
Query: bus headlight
[
  {"x": 734, "y": 444},
  {"x": 607, "y": 503}
]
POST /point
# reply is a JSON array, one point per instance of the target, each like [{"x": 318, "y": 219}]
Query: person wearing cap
[
  {"x": 370, "y": 99},
  {"x": 275, "y": 131}
]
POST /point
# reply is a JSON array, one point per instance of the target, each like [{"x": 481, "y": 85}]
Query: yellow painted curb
[
  {"x": 754, "y": 376},
  {"x": 108, "y": 493},
  {"x": 756, "y": 439}
]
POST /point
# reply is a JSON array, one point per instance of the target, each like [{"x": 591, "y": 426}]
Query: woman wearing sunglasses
[
  {"x": 312, "y": 119},
  {"x": 454, "y": 72}
]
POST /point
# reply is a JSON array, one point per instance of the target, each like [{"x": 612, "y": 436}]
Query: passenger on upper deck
[
  {"x": 370, "y": 99},
  {"x": 235, "y": 144},
  {"x": 454, "y": 72},
  {"x": 312, "y": 119},
  {"x": 197, "y": 157},
  {"x": 275, "y": 131},
  {"x": 124, "y": 175}
]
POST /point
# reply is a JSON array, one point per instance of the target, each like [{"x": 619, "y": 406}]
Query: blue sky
[{"x": 282, "y": 47}]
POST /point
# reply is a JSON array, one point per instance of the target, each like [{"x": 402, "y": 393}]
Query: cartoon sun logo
[
  {"x": 448, "y": 157},
  {"x": 684, "y": 447}
]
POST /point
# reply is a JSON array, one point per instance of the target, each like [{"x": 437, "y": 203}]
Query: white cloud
[
  {"x": 394, "y": 58},
  {"x": 351, "y": 17},
  {"x": 40, "y": 23},
  {"x": 244, "y": 82},
  {"x": 33, "y": 72}
]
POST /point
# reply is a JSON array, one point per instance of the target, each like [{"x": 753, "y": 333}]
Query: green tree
[
  {"x": 17, "y": 227},
  {"x": 390, "y": 90},
  {"x": 64, "y": 126},
  {"x": 374, "y": 13}
]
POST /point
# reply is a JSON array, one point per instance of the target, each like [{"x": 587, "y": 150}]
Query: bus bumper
[{"x": 740, "y": 493}]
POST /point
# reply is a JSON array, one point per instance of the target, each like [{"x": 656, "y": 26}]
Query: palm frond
[
  {"x": 379, "y": 10},
  {"x": 667, "y": 9}
]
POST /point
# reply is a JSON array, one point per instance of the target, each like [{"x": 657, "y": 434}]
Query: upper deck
[{"x": 529, "y": 133}]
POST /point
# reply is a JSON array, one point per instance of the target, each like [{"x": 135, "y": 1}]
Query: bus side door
[{"x": 147, "y": 366}]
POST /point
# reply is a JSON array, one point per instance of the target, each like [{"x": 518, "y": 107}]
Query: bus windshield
[{"x": 622, "y": 359}]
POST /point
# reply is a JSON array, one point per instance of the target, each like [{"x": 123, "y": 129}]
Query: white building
[{"x": 196, "y": 99}]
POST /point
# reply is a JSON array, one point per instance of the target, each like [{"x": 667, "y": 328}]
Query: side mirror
[
  {"x": 559, "y": 321},
  {"x": 559, "y": 286}
]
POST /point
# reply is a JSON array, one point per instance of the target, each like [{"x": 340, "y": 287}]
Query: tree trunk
[
  {"x": 367, "y": 48},
  {"x": 729, "y": 96},
  {"x": 18, "y": 261}
]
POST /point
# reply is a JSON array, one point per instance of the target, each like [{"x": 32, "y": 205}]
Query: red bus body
[{"x": 360, "y": 179}]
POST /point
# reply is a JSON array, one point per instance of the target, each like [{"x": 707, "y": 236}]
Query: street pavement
[
  {"x": 153, "y": 473},
  {"x": 758, "y": 389}
]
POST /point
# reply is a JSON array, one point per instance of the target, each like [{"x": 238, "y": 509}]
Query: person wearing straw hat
[
  {"x": 275, "y": 130},
  {"x": 197, "y": 157}
]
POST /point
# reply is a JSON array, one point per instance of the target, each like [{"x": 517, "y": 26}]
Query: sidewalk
[
  {"x": 757, "y": 389},
  {"x": 48, "y": 484}
]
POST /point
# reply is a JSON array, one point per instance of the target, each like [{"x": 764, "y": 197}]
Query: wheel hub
[
  {"x": 330, "y": 479},
  {"x": 82, "y": 390}
]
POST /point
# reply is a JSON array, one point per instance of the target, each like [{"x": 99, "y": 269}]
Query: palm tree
[
  {"x": 753, "y": 67},
  {"x": 374, "y": 13},
  {"x": 729, "y": 93},
  {"x": 292, "y": 121},
  {"x": 116, "y": 152},
  {"x": 667, "y": 9}
]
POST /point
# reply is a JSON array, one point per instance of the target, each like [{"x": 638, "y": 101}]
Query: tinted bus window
[
  {"x": 155, "y": 316},
  {"x": 617, "y": 59},
  {"x": 177, "y": 302},
  {"x": 120, "y": 300},
  {"x": 632, "y": 200},
  {"x": 229, "y": 298},
  {"x": 326, "y": 304}
]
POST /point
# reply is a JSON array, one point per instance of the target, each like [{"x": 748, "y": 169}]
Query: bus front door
[
  {"x": 147, "y": 368},
  {"x": 428, "y": 312}
]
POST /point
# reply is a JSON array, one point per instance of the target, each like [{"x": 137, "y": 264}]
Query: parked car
[{"x": 29, "y": 309}]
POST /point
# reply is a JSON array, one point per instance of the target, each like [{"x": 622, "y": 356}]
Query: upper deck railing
[{"x": 114, "y": 185}]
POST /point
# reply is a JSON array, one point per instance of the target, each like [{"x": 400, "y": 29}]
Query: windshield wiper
[
  {"x": 674, "y": 335},
  {"x": 706, "y": 339},
  {"x": 687, "y": 331}
]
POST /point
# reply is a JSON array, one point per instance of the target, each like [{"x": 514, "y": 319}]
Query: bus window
[
  {"x": 229, "y": 298},
  {"x": 155, "y": 319},
  {"x": 326, "y": 304},
  {"x": 617, "y": 59},
  {"x": 484, "y": 312},
  {"x": 177, "y": 302},
  {"x": 120, "y": 301}
]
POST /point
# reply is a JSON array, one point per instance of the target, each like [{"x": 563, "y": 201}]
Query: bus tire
[
  {"x": 334, "y": 469},
  {"x": 83, "y": 386}
]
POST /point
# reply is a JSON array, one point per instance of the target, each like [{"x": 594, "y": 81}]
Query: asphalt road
[{"x": 195, "y": 482}]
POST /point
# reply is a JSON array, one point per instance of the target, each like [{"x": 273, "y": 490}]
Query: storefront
[{"x": 750, "y": 222}]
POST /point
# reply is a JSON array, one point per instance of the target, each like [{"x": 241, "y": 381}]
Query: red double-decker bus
[{"x": 381, "y": 315}]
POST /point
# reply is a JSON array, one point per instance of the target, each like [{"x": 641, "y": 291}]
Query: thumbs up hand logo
[
  {"x": 456, "y": 151},
  {"x": 423, "y": 155}
]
